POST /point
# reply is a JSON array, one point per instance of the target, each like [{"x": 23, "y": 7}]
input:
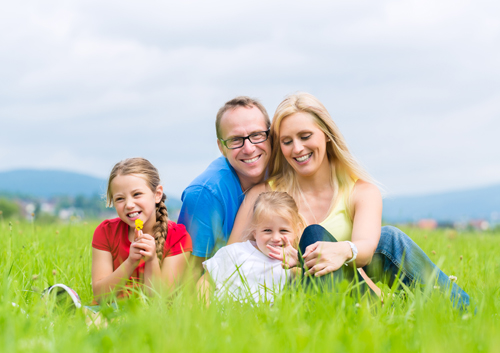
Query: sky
[{"x": 414, "y": 86}]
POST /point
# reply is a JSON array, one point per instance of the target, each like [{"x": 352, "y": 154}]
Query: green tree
[{"x": 9, "y": 208}]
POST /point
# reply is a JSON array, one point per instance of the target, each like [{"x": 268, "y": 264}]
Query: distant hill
[
  {"x": 480, "y": 203},
  {"x": 50, "y": 183}
]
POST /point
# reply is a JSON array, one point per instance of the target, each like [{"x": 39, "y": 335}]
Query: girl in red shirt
[{"x": 122, "y": 254}]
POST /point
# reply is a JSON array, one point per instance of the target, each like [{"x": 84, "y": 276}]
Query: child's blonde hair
[
  {"x": 144, "y": 169},
  {"x": 277, "y": 203}
]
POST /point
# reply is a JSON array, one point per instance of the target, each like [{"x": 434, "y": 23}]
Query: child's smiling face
[
  {"x": 269, "y": 231},
  {"x": 133, "y": 199}
]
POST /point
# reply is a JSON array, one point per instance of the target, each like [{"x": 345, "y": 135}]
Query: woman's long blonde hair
[
  {"x": 144, "y": 169},
  {"x": 344, "y": 167}
]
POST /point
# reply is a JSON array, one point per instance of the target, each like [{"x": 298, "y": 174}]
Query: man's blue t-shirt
[{"x": 209, "y": 206}]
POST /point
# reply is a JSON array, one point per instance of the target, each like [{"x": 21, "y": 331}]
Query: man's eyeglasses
[{"x": 238, "y": 142}]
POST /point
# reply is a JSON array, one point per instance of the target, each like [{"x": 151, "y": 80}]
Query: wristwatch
[{"x": 354, "y": 252}]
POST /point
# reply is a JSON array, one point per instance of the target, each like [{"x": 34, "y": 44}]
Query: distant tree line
[
  {"x": 21, "y": 206},
  {"x": 9, "y": 209}
]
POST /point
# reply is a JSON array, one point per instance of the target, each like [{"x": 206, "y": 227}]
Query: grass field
[{"x": 33, "y": 257}]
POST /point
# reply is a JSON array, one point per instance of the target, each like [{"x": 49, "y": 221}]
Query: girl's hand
[
  {"x": 138, "y": 234},
  {"x": 145, "y": 245},
  {"x": 134, "y": 252},
  {"x": 323, "y": 257},
  {"x": 287, "y": 254}
]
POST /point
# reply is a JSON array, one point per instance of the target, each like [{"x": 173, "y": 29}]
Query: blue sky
[{"x": 413, "y": 85}]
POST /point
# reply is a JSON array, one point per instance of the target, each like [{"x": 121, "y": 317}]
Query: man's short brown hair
[{"x": 241, "y": 101}]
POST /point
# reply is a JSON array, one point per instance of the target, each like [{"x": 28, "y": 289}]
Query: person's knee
[
  {"x": 313, "y": 229},
  {"x": 312, "y": 234},
  {"x": 309, "y": 236},
  {"x": 392, "y": 238},
  {"x": 389, "y": 231},
  {"x": 387, "y": 237},
  {"x": 315, "y": 232},
  {"x": 393, "y": 234}
]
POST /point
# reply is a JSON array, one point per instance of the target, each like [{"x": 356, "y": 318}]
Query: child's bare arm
[
  {"x": 104, "y": 279},
  {"x": 204, "y": 288},
  {"x": 145, "y": 244},
  {"x": 173, "y": 269}
]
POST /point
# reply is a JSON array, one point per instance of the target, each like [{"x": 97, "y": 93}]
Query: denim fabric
[
  {"x": 395, "y": 253},
  {"x": 313, "y": 234}
]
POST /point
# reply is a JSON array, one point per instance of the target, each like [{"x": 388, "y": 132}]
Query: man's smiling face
[{"x": 250, "y": 160}]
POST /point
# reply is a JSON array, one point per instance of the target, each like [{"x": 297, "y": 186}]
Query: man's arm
[{"x": 245, "y": 212}]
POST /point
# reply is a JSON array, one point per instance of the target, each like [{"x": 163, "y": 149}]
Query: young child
[
  {"x": 123, "y": 254},
  {"x": 252, "y": 270}
]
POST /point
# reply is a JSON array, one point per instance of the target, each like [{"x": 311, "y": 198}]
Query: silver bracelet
[{"x": 354, "y": 250}]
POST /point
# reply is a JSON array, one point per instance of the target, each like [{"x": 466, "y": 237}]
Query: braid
[
  {"x": 143, "y": 168},
  {"x": 160, "y": 228}
]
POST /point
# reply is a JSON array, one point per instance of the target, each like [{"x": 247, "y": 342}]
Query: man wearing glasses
[{"x": 211, "y": 201}]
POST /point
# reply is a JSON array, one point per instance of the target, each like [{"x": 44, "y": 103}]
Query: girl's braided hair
[{"x": 144, "y": 169}]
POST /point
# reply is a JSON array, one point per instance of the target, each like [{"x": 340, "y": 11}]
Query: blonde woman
[{"x": 340, "y": 202}]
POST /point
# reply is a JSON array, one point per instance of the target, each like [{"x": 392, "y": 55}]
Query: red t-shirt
[{"x": 112, "y": 236}]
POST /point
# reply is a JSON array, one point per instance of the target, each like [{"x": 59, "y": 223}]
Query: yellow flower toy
[{"x": 139, "y": 224}]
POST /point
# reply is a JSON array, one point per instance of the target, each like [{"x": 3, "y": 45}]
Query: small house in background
[
  {"x": 70, "y": 213},
  {"x": 48, "y": 207},
  {"x": 28, "y": 208},
  {"x": 427, "y": 223},
  {"x": 479, "y": 224}
]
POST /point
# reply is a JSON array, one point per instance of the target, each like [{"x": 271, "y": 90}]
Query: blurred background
[{"x": 414, "y": 86}]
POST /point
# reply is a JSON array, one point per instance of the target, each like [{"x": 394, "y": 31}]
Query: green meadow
[{"x": 33, "y": 257}]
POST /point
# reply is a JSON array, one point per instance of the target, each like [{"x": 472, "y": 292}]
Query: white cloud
[{"x": 413, "y": 85}]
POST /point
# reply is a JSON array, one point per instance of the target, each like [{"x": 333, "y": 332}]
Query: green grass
[{"x": 34, "y": 257}]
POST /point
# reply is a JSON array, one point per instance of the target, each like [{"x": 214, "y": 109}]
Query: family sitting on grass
[{"x": 285, "y": 200}]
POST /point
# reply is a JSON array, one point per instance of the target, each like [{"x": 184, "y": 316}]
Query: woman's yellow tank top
[{"x": 338, "y": 222}]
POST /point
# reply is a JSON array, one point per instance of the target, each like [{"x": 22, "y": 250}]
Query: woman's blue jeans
[{"x": 396, "y": 254}]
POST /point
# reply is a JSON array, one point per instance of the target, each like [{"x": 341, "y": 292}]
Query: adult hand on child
[
  {"x": 286, "y": 254},
  {"x": 322, "y": 257}
]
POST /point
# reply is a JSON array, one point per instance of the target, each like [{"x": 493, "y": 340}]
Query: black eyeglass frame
[{"x": 224, "y": 142}]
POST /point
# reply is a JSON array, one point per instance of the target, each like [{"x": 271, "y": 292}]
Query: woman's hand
[
  {"x": 287, "y": 254},
  {"x": 323, "y": 257},
  {"x": 144, "y": 246}
]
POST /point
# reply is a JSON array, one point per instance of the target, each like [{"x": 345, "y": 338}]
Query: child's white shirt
[{"x": 240, "y": 270}]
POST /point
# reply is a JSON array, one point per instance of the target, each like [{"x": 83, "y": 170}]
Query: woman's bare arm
[
  {"x": 367, "y": 221},
  {"x": 324, "y": 257},
  {"x": 244, "y": 216}
]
